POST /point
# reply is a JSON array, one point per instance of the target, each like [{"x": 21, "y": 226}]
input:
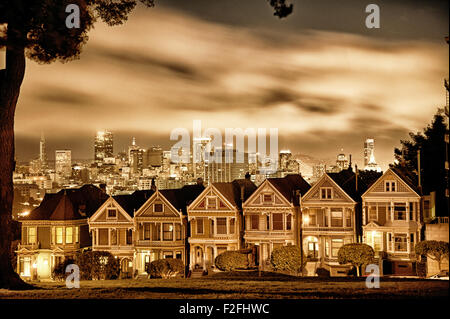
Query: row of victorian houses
[{"x": 197, "y": 223}]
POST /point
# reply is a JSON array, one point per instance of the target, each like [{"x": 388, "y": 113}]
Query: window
[
  {"x": 326, "y": 193},
  {"x": 221, "y": 226},
  {"x": 400, "y": 242},
  {"x": 167, "y": 231},
  {"x": 59, "y": 235},
  {"x": 199, "y": 225},
  {"x": 411, "y": 239},
  {"x": 103, "y": 235},
  {"x": 112, "y": 213},
  {"x": 211, "y": 228},
  {"x": 69, "y": 235},
  {"x": 327, "y": 249},
  {"x": 232, "y": 225},
  {"x": 335, "y": 245},
  {"x": 373, "y": 215},
  {"x": 390, "y": 186},
  {"x": 267, "y": 222},
  {"x": 211, "y": 203},
  {"x": 312, "y": 215},
  {"x": 156, "y": 231},
  {"x": 77, "y": 239},
  {"x": 411, "y": 211},
  {"x": 288, "y": 222},
  {"x": 277, "y": 220},
  {"x": 399, "y": 211},
  {"x": 336, "y": 217},
  {"x": 178, "y": 231},
  {"x": 267, "y": 198},
  {"x": 158, "y": 208},
  {"x": 168, "y": 254},
  {"x": 32, "y": 235},
  {"x": 326, "y": 215},
  {"x": 113, "y": 234},
  {"x": 348, "y": 218},
  {"x": 146, "y": 231},
  {"x": 375, "y": 240},
  {"x": 178, "y": 255},
  {"x": 254, "y": 222},
  {"x": 129, "y": 236}
]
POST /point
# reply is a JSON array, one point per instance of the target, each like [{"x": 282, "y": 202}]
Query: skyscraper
[
  {"x": 369, "y": 147},
  {"x": 369, "y": 156},
  {"x": 63, "y": 164},
  {"x": 43, "y": 153},
  {"x": 103, "y": 146}
]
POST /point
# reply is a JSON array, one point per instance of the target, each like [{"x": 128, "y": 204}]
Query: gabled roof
[
  {"x": 188, "y": 194},
  {"x": 401, "y": 175},
  {"x": 69, "y": 204},
  {"x": 132, "y": 202},
  {"x": 289, "y": 185},
  {"x": 346, "y": 179}
]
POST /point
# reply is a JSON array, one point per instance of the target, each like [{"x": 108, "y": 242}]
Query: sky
[{"x": 319, "y": 76}]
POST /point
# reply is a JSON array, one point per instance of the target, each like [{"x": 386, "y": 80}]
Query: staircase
[{"x": 197, "y": 273}]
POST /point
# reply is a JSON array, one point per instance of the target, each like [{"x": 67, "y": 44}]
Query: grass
[{"x": 237, "y": 285}]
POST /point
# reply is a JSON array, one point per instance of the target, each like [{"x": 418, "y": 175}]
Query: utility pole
[{"x": 300, "y": 230}]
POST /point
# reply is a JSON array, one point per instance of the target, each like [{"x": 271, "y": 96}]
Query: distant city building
[
  {"x": 284, "y": 158},
  {"x": 369, "y": 156},
  {"x": 63, "y": 163},
  {"x": 43, "y": 153},
  {"x": 229, "y": 168},
  {"x": 103, "y": 146},
  {"x": 155, "y": 156}
]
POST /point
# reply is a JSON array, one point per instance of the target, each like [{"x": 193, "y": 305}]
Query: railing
[
  {"x": 442, "y": 220},
  {"x": 325, "y": 229}
]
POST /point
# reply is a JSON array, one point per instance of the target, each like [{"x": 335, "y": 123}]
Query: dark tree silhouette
[
  {"x": 36, "y": 29},
  {"x": 431, "y": 143}
]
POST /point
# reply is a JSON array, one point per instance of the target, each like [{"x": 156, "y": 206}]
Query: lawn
[{"x": 238, "y": 286}]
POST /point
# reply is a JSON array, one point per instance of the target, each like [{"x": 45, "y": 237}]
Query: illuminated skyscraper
[
  {"x": 103, "y": 146},
  {"x": 369, "y": 147},
  {"x": 63, "y": 164},
  {"x": 43, "y": 153}
]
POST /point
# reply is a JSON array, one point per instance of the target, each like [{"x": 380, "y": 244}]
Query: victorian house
[
  {"x": 56, "y": 230},
  {"x": 329, "y": 213},
  {"x": 112, "y": 228},
  {"x": 216, "y": 222},
  {"x": 161, "y": 226},
  {"x": 271, "y": 216},
  {"x": 392, "y": 222}
]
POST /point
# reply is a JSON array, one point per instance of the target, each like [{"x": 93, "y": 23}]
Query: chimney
[
  {"x": 242, "y": 193},
  {"x": 199, "y": 181},
  {"x": 247, "y": 176},
  {"x": 350, "y": 163},
  {"x": 103, "y": 188},
  {"x": 153, "y": 186}
]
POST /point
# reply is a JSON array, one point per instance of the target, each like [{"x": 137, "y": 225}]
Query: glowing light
[
  {"x": 35, "y": 265},
  {"x": 306, "y": 219}
]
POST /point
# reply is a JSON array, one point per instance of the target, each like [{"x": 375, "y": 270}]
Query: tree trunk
[
  {"x": 357, "y": 271},
  {"x": 10, "y": 81}
]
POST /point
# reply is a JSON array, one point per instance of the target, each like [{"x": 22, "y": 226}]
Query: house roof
[
  {"x": 346, "y": 179},
  {"x": 69, "y": 204},
  {"x": 289, "y": 185},
  {"x": 132, "y": 202}
]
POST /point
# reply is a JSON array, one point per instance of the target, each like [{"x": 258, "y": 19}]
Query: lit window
[
  {"x": 69, "y": 235},
  {"x": 335, "y": 245},
  {"x": 32, "y": 235},
  {"x": 59, "y": 235}
]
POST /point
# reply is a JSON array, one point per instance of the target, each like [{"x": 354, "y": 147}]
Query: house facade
[
  {"x": 328, "y": 215},
  {"x": 271, "y": 216},
  {"x": 216, "y": 222},
  {"x": 160, "y": 229},
  {"x": 392, "y": 222},
  {"x": 56, "y": 230}
]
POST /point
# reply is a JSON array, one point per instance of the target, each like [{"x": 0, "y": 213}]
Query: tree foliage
[
  {"x": 231, "y": 260},
  {"x": 287, "y": 258},
  {"x": 431, "y": 143},
  {"x": 356, "y": 254},
  {"x": 165, "y": 268},
  {"x": 59, "y": 271},
  {"x": 433, "y": 249}
]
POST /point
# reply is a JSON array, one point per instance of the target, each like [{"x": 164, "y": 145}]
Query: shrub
[
  {"x": 59, "y": 271},
  {"x": 433, "y": 249},
  {"x": 165, "y": 268},
  {"x": 98, "y": 265},
  {"x": 287, "y": 258},
  {"x": 356, "y": 254},
  {"x": 323, "y": 273},
  {"x": 231, "y": 260}
]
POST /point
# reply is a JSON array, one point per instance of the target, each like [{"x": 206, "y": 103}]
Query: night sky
[{"x": 320, "y": 76}]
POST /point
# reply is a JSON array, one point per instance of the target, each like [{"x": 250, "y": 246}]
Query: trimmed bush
[
  {"x": 59, "y": 271},
  {"x": 98, "y": 265},
  {"x": 323, "y": 273},
  {"x": 165, "y": 268},
  {"x": 231, "y": 260},
  {"x": 287, "y": 258}
]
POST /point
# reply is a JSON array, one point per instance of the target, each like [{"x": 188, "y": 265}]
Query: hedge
[
  {"x": 231, "y": 260},
  {"x": 165, "y": 268}
]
